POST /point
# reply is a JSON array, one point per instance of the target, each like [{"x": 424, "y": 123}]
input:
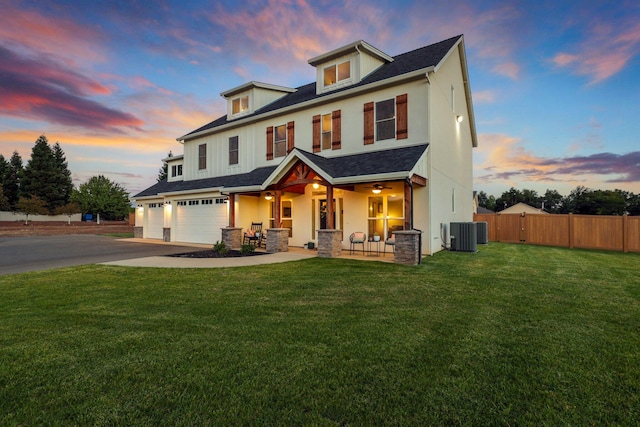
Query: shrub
[
  {"x": 220, "y": 248},
  {"x": 247, "y": 249}
]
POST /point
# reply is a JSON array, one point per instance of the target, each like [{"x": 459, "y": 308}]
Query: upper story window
[
  {"x": 240, "y": 105},
  {"x": 176, "y": 170},
  {"x": 337, "y": 73},
  {"x": 202, "y": 156},
  {"x": 233, "y": 150},
  {"x": 326, "y": 131},
  {"x": 385, "y": 119},
  {"x": 280, "y": 141}
]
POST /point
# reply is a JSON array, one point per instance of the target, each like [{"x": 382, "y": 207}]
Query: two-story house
[{"x": 376, "y": 143}]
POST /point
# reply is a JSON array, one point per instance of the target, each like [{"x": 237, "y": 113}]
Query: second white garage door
[{"x": 200, "y": 220}]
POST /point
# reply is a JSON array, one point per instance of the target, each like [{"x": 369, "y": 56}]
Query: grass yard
[{"x": 511, "y": 335}]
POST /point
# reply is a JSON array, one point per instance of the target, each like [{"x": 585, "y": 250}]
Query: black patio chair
[{"x": 254, "y": 236}]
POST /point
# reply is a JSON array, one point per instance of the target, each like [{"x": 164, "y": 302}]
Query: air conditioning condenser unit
[{"x": 464, "y": 236}]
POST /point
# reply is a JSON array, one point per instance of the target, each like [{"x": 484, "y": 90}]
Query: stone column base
[
  {"x": 137, "y": 232},
  {"x": 166, "y": 234},
  {"x": 232, "y": 237},
  {"x": 407, "y": 247},
  {"x": 277, "y": 240},
  {"x": 329, "y": 243}
]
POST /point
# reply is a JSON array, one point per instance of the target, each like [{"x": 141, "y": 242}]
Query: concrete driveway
[{"x": 24, "y": 254}]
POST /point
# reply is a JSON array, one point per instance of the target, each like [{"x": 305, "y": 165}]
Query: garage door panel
[
  {"x": 155, "y": 223},
  {"x": 200, "y": 223}
]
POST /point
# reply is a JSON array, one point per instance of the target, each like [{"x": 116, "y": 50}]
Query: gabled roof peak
[{"x": 358, "y": 46}]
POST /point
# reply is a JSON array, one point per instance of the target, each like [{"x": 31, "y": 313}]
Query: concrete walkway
[{"x": 294, "y": 254}]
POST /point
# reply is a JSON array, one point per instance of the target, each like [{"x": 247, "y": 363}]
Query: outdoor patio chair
[
  {"x": 357, "y": 238},
  {"x": 254, "y": 236},
  {"x": 391, "y": 241}
]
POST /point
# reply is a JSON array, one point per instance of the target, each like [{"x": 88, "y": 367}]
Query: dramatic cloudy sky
[{"x": 556, "y": 84}]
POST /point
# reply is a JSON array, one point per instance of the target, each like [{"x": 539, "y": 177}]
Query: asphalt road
[{"x": 24, "y": 254}]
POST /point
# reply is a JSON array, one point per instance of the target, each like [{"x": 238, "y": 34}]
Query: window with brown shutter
[
  {"x": 335, "y": 137},
  {"x": 290, "y": 137},
  {"x": 402, "y": 129},
  {"x": 270, "y": 143},
  {"x": 316, "y": 133},
  {"x": 368, "y": 123}
]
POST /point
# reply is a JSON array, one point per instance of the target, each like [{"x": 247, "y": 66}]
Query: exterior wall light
[{"x": 459, "y": 119}]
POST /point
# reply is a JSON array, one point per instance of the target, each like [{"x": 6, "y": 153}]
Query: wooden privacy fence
[{"x": 616, "y": 233}]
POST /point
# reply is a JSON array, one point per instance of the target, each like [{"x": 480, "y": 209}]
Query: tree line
[
  {"x": 44, "y": 186},
  {"x": 581, "y": 200}
]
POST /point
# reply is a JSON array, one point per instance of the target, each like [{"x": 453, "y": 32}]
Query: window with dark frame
[
  {"x": 233, "y": 150},
  {"x": 202, "y": 156},
  {"x": 176, "y": 170},
  {"x": 326, "y": 131},
  {"x": 385, "y": 119},
  {"x": 280, "y": 141}
]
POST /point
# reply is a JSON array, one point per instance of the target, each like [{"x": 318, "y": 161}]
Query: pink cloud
[
  {"x": 605, "y": 51},
  {"x": 509, "y": 69},
  {"x": 37, "y": 32},
  {"x": 484, "y": 97},
  {"x": 504, "y": 158},
  {"x": 45, "y": 90}
]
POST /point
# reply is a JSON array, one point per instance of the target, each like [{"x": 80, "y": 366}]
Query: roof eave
[{"x": 315, "y": 101}]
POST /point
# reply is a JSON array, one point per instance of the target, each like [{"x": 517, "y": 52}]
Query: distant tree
[
  {"x": 4, "y": 203},
  {"x": 46, "y": 175},
  {"x": 633, "y": 204},
  {"x": 554, "y": 202},
  {"x": 531, "y": 198},
  {"x": 485, "y": 201},
  {"x": 100, "y": 196},
  {"x": 509, "y": 198},
  {"x": 69, "y": 210},
  {"x": 65, "y": 183},
  {"x": 12, "y": 180},
  {"x": 610, "y": 202},
  {"x": 163, "y": 173},
  {"x": 31, "y": 206}
]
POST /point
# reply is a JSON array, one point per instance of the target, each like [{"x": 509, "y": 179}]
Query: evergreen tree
[
  {"x": 46, "y": 175},
  {"x": 64, "y": 182},
  {"x": 12, "y": 180},
  {"x": 4, "y": 203},
  {"x": 163, "y": 172}
]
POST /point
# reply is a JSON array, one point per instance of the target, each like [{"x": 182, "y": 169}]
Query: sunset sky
[{"x": 555, "y": 84}]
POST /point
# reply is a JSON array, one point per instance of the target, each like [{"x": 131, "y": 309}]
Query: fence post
[
  {"x": 625, "y": 230},
  {"x": 498, "y": 226},
  {"x": 570, "y": 231}
]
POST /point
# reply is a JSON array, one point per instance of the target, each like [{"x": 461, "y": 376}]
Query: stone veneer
[
  {"x": 329, "y": 243},
  {"x": 137, "y": 232},
  {"x": 232, "y": 237},
  {"x": 407, "y": 247},
  {"x": 277, "y": 240},
  {"x": 166, "y": 234}
]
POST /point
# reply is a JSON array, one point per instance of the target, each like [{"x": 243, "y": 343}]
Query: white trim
[
  {"x": 347, "y": 93},
  {"x": 253, "y": 84}
]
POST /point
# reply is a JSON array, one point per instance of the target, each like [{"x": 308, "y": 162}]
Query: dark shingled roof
[
  {"x": 424, "y": 57},
  {"x": 255, "y": 177},
  {"x": 370, "y": 163},
  {"x": 354, "y": 165}
]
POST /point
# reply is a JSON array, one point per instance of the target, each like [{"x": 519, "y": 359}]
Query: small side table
[{"x": 377, "y": 250}]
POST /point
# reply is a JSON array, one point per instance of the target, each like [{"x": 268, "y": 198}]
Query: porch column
[
  {"x": 329, "y": 243},
  {"x": 330, "y": 208},
  {"x": 277, "y": 240},
  {"x": 407, "y": 247},
  {"x": 277, "y": 215},
  {"x": 408, "y": 206},
  {"x": 232, "y": 210},
  {"x": 232, "y": 237}
]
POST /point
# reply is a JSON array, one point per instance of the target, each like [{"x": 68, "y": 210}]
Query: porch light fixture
[
  {"x": 459, "y": 119},
  {"x": 268, "y": 196},
  {"x": 316, "y": 185},
  {"x": 376, "y": 191}
]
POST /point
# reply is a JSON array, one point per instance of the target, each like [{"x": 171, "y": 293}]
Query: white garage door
[
  {"x": 155, "y": 221},
  {"x": 200, "y": 221}
]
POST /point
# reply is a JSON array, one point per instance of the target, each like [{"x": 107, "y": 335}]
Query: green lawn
[{"x": 511, "y": 335}]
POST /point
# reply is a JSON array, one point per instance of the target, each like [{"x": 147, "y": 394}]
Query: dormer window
[
  {"x": 240, "y": 105},
  {"x": 337, "y": 73}
]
